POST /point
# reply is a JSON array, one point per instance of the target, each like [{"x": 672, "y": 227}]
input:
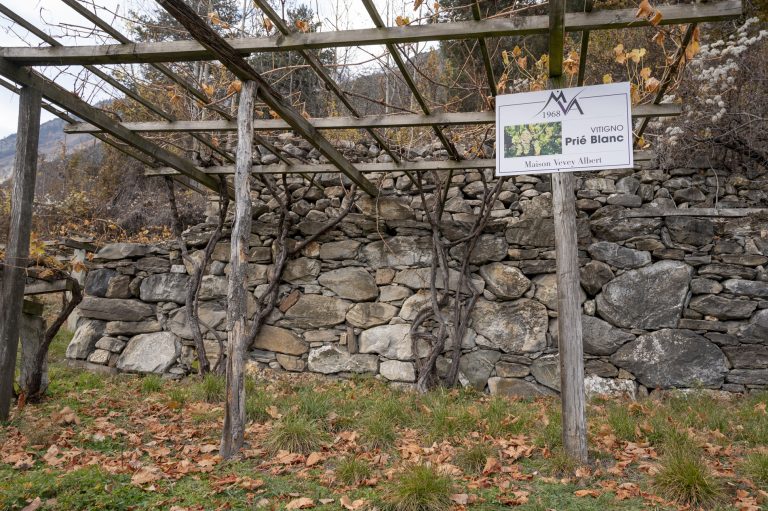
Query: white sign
[{"x": 564, "y": 130}]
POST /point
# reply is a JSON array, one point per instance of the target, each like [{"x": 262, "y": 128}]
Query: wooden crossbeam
[
  {"x": 343, "y": 123},
  {"x": 68, "y": 101},
  {"x": 42, "y": 287},
  {"x": 169, "y": 51},
  {"x": 227, "y": 55},
  {"x": 588, "y": 6},
  {"x": 365, "y": 168},
  {"x": 110, "y": 80}
]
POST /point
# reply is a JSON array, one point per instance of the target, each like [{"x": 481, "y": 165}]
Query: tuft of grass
[
  {"x": 447, "y": 417},
  {"x": 296, "y": 433},
  {"x": 256, "y": 404},
  {"x": 472, "y": 459},
  {"x": 177, "y": 396},
  {"x": 313, "y": 404},
  {"x": 419, "y": 488},
  {"x": 756, "y": 466},
  {"x": 505, "y": 417},
  {"x": 378, "y": 432},
  {"x": 211, "y": 388},
  {"x": 352, "y": 471},
  {"x": 551, "y": 434},
  {"x": 151, "y": 383},
  {"x": 623, "y": 423},
  {"x": 558, "y": 463},
  {"x": 685, "y": 478}
]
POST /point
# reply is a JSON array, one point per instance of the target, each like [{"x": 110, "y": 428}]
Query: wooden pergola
[{"x": 36, "y": 91}]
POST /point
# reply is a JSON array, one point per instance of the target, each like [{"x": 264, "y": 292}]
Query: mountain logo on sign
[{"x": 565, "y": 105}]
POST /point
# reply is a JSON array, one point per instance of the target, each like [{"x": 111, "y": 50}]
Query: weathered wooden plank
[
  {"x": 110, "y": 80},
  {"x": 17, "y": 252},
  {"x": 169, "y": 51},
  {"x": 588, "y": 6},
  {"x": 43, "y": 287},
  {"x": 244, "y": 71},
  {"x": 342, "y": 123},
  {"x": 365, "y": 168},
  {"x": 56, "y": 94},
  {"x": 237, "y": 318},
  {"x": 477, "y": 15}
]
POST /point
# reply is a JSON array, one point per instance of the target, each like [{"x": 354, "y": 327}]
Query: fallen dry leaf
[
  {"x": 301, "y": 503},
  {"x": 313, "y": 459},
  {"x": 352, "y": 505},
  {"x": 34, "y": 505}
]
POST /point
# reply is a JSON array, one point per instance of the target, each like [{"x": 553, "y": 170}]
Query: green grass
[
  {"x": 756, "y": 467},
  {"x": 472, "y": 459},
  {"x": 418, "y": 488},
  {"x": 151, "y": 383},
  {"x": 256, "y": 403},
  {"x": 685, "y": 478},
  {"x": 623, "y": 422},
  {"x": 352, "y": 471},
  {"x": 505, "y": 417},
  {"x": 378, "y": 432},
  {"x": 211, "y": 388},
  {"x": 296, "y": 433}
]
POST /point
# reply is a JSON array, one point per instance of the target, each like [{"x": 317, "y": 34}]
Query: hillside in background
[{"x": 53, "y": 141}]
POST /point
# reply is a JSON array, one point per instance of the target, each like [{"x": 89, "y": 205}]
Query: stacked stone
[{"x": 668, "y": 300}]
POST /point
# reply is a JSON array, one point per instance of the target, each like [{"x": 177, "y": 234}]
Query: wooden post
[
  {"x": 17, "y": 252},
  {"x": 234, "y": 415},
  {"x": 567, "y": 253}
]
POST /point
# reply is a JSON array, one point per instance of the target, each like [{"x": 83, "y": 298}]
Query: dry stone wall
[{"x": 672, "y": 295}]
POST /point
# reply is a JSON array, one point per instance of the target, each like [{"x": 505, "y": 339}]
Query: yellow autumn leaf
[
  {"x": 652, "y": 84},
  {"x": 516, "y": 51},
  {"x": 656, "y": 18},
  {"x": 659, "y": 38},
  {"x": 505, "y": 57},
  {"x": 417, "y": 4},
  {"x": 234, "y": 87},
  {"x": 268, "y": 25},
  {"x": 402, "y": 21},
  {"x": 645, "y": 73},
  {"x": 208, "y": 89},
  {"x": 607, "y": 78},
  {"x": 523, "y": 62},
  {"x": 618, "y": 53},
  {"x": 302, "y": 25},
  {"x": 644, "y": 9}
]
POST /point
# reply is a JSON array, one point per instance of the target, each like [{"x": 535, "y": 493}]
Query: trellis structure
[{"x": 36, "y": 91}]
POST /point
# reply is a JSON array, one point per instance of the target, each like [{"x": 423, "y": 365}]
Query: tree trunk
[
  {"x": 17, "y": 253},
  {"x": 234, "y": 415}
]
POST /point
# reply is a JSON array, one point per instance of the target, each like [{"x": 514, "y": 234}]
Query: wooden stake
[
  {"x": 17, "y": 253},
  {"x": 234, "y": 415},
  {"x": 569, "y": 318}
]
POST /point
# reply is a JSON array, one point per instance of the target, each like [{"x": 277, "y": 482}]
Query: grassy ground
[{"x": 144, "y": 443}]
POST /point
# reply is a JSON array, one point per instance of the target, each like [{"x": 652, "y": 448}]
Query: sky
[{"x": 53, "y": 17}]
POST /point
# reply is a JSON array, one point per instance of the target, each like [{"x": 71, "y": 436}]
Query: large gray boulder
[
  {"x": 301, "y": 271},
  {"x": 594, "y": 275},
  {"x": 419, "y": 278},
  {"x": 751, "y": 288},
  {"x": 690, "y": 230},
  {"x": 534, "y": 232},
  {"x": 504, "y": 281},
  {"x": 398, "y": 251},
  {"x": 370, "y": 314},
  {"x": 86, "y": 336},
  {"x": 316, "y": 311},
  {"x": 615, "y": 227},
  {"x": 389, "y": 341},
  {"x": 279, "y": 340},
  {"x": 512, "y": 327},
  {"x": 150, "y": 353},
  {"x": 489, "y": 247},
  {"x": 115, "y": 251},
  {"x": 478, "y": 365},
  {"x": 352, "y": 283},
  {"x": 723, "y": 308},
  {"x": 602, "y": 338},
  {"x": 514, "y": 387},
  {"x": 673, "y": 358},
  {"x": 113, "y": 309},
  {"x": 97, "y": 282},
  {"x": 395, "y": 370},
  {"x": 649, "y": 298},
  {"x": 165, "y": 287},
  {"x": 546, "y": 290},
  {"x": 339, "y": 250},
  {"x": 546, "y": 370},
  {"x": 332, "y": 359},
  {"x": 618, "y": 256}
]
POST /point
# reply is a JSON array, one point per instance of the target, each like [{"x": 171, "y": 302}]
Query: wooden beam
[
  {"x": 570, "y": 348},
  {"x": 17, "y": 251},
  {"x": 42, "y": 287},
  {"x": 244, "y": 71},
  {"x": 67, "y": 100},
  {"x": 588, "y": 6},
  {"x": 365, "y": 168},
  {"x": 110, "y": 80},
  {"x": 484, "y": 51},
  {"x": 177, "y": 51},
  {"x": 233, "y": 433},
  {"x": 343, "y": 123}
]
